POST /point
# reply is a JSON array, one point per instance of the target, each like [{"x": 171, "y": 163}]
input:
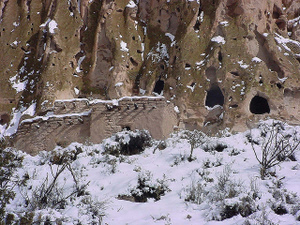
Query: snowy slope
[{"x": 222, "y": 178}]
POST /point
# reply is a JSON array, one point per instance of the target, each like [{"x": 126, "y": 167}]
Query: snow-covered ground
[{"x": 219, "y": 184}]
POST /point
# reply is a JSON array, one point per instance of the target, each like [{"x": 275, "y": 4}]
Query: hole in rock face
[
  {"x": 279, "y": 85},
  {"x": 220, "y": 57},
  {"x": 281, "y": 24},
  {"x": 159, "y": 86},
  {"x": 4, "y": 119},
  {"x": 259, "y": 105},
  {"x": 235, "y": 73},
  {"x": 214, "y": 97},
  {"x": 127, "y": 127},
  {"x": 135, "y": 63}
]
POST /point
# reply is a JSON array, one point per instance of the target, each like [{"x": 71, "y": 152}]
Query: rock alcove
[
  {"x": 159, "y": 86},
  {"x": 259, "y": 105},
  {"x": 214, "y": 97}
]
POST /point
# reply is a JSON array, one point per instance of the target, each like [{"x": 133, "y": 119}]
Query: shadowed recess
[
  {"x": 259, "y": 105},
  {"x": 159, "y": 86},
  {"x": 214, "y": 97}
]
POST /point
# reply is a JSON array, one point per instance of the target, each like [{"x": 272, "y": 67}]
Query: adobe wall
[{"x": 83, "y": 120}]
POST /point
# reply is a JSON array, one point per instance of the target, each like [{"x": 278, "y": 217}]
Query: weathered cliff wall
[
  {"x": 223, "y": 63},
  {"x": 82, "y": 120}
]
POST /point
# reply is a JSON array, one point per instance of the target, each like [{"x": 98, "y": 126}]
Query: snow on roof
[
  {"x": 44, "y": 118},
  {"x": 113, "y": 101}
]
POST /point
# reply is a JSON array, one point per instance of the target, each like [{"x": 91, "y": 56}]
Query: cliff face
[{"x": 223, "y": 63}]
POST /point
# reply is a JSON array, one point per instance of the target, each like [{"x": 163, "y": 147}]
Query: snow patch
[
  {"x": 119, "y": 84},
  {"x": 52, "y": 26},
  {"x": 17, "y": 84},
  {"x": 16, "y": 117},
  {"x": 242, "y": 64},
  {"x": 218, "y": 39},
  {"x": 256, "y": 59},
  {"x": 171, "y": 36},
  {"x": 76, "y": 90},
  {"x": 78, "y": 70},
  {"x": 131, "y": 4},
  {"x": 124, "y": 46}
]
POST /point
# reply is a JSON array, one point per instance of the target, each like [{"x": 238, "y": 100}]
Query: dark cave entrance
[
  {"x": 159, "y": 86},
  {"x": 126, "y": 127},
  {"x": 214, "y": 97},
  {"x": 259, "y": 105}
]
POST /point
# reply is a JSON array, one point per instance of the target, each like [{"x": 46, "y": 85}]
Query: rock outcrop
[{"x": 222, "y": 63}]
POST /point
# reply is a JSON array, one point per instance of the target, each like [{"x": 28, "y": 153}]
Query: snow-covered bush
[
  {"x": 283, "y": 201},
  {"x": 212, "y": 146},
  {"x": 224, "y": 197},
  {"x": 195, "y": 139},
  {"x": 59, "y": 156},
  {"x": 215, "y": 162},
  {"x": 9, "y": 161},
  {"x": 273, "y": 145},
  {"x": 196, "y": 193},
  {"x": 147, "y": 188},
  {"x": 128, "y": 142},
  {"x": 51, "y": 194}
]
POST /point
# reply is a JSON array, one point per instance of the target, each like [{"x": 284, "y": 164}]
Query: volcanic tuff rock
[{"x": 223, "y": 63}]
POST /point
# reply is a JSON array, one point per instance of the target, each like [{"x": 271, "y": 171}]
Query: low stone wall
[{"x": 83, "y": 120}]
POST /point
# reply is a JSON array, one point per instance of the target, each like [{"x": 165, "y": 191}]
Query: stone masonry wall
[{"x": 82, "y": 120}]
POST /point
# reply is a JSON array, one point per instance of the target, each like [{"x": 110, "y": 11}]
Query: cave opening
[
  {"x": 259, "y": 105},
  {"x": 159, "y": 86},
  {"x": 126, "y": 128},
  {"x": 214, "y": 97}
]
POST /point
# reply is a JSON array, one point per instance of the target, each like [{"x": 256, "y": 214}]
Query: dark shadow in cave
[
  {"x": 214, "y": 97},
  {"x": 259, "y": 105},
  {"x": 159, "y": 86}
]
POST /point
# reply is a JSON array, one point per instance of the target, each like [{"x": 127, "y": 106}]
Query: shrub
[
  {"x": 226, "y": 197},
  {"x": 9, "y": 161},
  {"x": 146, "y": 188},
  {"x": 276, "y": 146},
  {"x": 60, "y": 157},
  {"x": 195, "y": 139},
  {"x": 128, "y": 143},
  {"x": 51, "y": 194},
  {"x": 214, "y": 146},
  {"x": 196, "y": 193}
]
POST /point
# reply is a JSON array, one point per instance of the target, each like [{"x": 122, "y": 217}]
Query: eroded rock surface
[{"x": 212, "y": 58}]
